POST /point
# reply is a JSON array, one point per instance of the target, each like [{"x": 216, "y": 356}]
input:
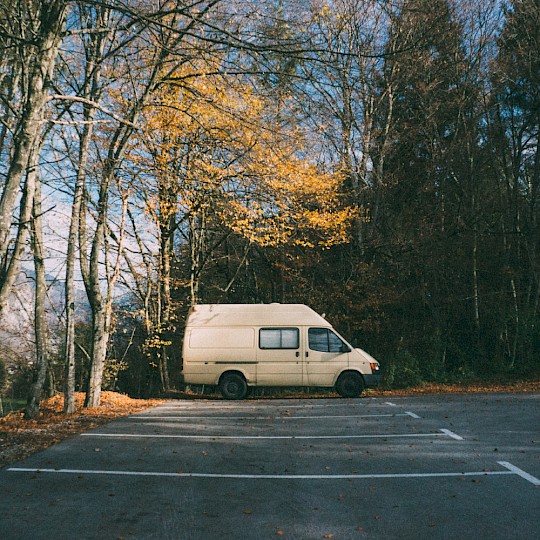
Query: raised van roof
[{"x": 208, "y": 315}]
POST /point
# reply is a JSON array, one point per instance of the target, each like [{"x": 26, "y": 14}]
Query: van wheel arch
[
  {"x": 233, "y": 385},
  {"x": 350, "y": 384}
]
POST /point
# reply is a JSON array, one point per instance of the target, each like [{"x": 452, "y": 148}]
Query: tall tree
[
  {"x": 427, "y": 128},
  {"x": 41, "y": 330},
  {"x": 35, "y": 29},
  {"x": 96, "y": 32},
  {"x": 167, "y": 39},
  {"x": 341, "y": 91},
  {"x": 215, "y": 165},
  {"x": 514, "y": 135}
]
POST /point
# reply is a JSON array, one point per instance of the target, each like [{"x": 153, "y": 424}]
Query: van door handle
[
  {"x": 307, "y": 354},
  {"x": 297, "y": 354}
]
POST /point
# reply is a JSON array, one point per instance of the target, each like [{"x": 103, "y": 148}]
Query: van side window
[
  {"x": 279, "y": 338},
  {"x": 324, "y": 340}
]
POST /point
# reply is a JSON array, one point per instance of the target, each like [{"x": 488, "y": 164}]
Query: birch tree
[
  {"x": 97, "y": 33},
  {"x": 35, "y": 30},
  {"x": 41, "y": 330}
]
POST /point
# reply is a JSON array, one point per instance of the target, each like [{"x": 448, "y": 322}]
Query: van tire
[
  {"x": 350, "y": 384},
  {"x": 233, "y": 386}
]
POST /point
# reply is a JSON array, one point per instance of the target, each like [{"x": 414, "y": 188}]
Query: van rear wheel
[
  {"x": 233, "y": 386},
  {"x": 349, "y": 385}
]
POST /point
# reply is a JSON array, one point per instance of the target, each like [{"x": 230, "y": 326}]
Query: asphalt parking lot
[{"x": 447, "y": 466}]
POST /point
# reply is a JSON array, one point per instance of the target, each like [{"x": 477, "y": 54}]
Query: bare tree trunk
[
  {"x": 475, "y": 295},
  {"x": 196, "y": 250},
  {"x": 515, "y": 341},
  {"x": 101, "y": 304},
  {"x": 100, "y": 326},
  {"x": 10, "y": 84},
  {"x": 11, "y": 268},
  {"x": 100, "y": 330},
  {"x": 165, "y": 295},
  {"x": 69, "y": 388},
  {"x": 40, "y": 315},
  {"x": 94, "y": 48}
]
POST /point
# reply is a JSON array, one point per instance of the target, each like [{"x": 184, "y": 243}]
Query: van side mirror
[{"x": 345, "y": 348}]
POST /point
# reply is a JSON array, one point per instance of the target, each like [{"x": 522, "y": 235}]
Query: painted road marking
[
  {"x": 154, "y": 417},
  {"x": 511, "y": 470},
  {"x": 452, "y": 434},
  {"x": 516, "y": 470},
  {"x": 266, "y": 437}
]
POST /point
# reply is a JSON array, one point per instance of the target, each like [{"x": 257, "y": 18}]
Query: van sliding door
[{"x": 279, "y": 357}]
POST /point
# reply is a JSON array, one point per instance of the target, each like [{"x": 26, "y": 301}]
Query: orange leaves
[
  {"x": 218, "y": 153},
  {"x": 311, "y": 205}
]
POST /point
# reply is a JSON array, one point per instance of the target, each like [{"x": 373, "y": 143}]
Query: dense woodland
[{"x": 377, "y": 160}]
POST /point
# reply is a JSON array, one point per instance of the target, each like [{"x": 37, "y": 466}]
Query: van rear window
[{"x": 279, "y": 338}]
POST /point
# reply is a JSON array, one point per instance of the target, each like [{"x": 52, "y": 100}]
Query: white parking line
[
  {"x": 452, "y": 434},
  {"x": 270, "y": 476},
  {"x": 265, "y": 437},
  {"x": 411, "y": 414},
  {"x": 313, "y": 417},
  {"x": 516, "y": 470}
]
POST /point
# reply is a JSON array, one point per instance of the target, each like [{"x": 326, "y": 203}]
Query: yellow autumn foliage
[{"x": 216, "y": 148}]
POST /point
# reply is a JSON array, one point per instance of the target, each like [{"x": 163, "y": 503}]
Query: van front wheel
[
  {"x": 233, "y": 386},
  {"x": 349, "y": 385}
]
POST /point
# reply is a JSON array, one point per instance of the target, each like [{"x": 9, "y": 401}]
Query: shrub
[{"x": 403, "y": 370}]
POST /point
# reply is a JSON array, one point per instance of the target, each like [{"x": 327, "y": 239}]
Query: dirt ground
[{"x": 20, "y": 438}]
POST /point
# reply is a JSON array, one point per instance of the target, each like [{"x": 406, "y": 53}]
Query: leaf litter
[{"x": 20, "y": 438}]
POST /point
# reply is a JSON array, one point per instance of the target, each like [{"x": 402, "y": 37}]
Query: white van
[{"x": 236, "y": 346}]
